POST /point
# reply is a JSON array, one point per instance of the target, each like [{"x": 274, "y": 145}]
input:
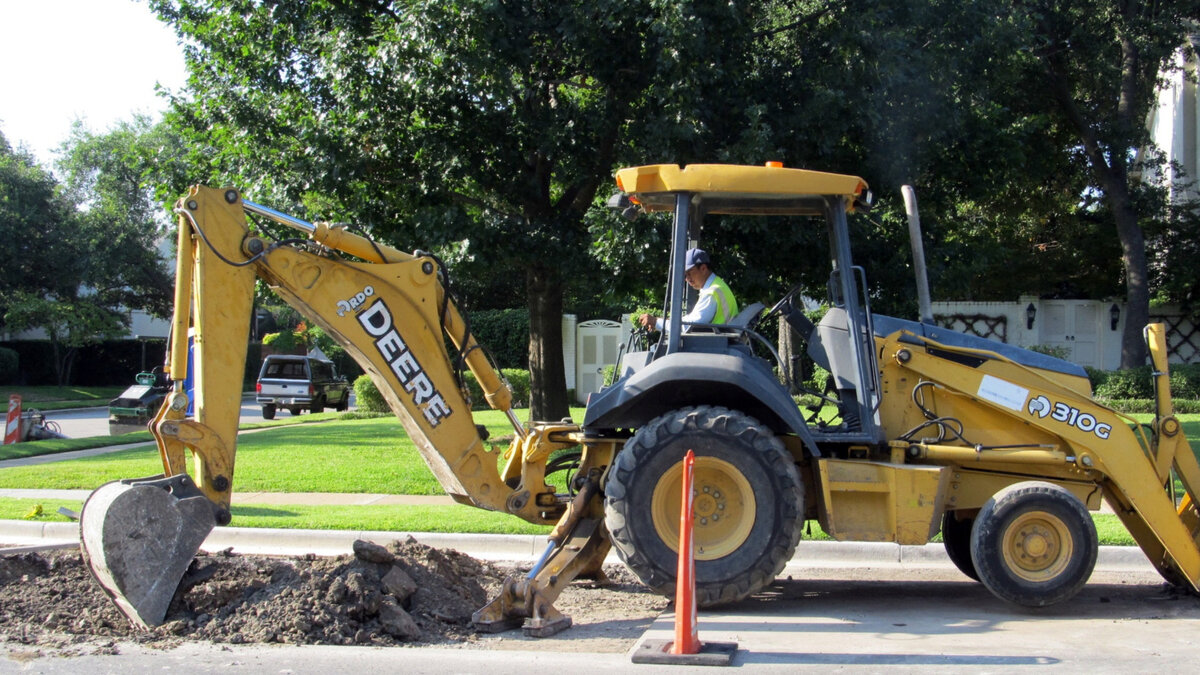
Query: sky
[{"x": 92, "y": 60}]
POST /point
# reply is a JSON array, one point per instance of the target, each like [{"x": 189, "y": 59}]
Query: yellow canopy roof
[{"x": 727, "y": 188}]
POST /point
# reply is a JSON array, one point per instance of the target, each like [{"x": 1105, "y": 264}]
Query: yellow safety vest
[{"x": 727, "y": 306}]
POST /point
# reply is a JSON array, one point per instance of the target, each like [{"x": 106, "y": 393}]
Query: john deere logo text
[{"x": 377, "y": 320}]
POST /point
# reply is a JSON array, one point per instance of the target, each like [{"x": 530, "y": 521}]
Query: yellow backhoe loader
[{"x": 1001, "y": 449}]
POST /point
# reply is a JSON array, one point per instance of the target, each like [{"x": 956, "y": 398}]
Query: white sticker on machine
[{"x": 1002, "y": 392}]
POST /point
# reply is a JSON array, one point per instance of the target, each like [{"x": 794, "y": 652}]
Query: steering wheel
[
  {"x": 783, "y": 302},
  {"x": 639, "y": 337}
]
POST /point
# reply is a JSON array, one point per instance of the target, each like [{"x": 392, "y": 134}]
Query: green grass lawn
[
  {"x": 354, "y": 455},
  {"x": 371, "y": 455}
]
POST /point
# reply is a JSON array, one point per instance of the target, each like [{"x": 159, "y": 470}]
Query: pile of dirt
[{"x": 403, "y": 594}]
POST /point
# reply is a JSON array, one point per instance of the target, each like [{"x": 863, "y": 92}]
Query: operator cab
[{"x": 715, "y": 364}]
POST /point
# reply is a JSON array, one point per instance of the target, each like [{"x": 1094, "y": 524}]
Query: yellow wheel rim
[
  {"x": 1037, "y": 546},
  {"x": 723, "y": 508}
]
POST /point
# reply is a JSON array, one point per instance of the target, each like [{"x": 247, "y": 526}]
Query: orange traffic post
[
  {"x": 686, "y": 639},
  {"x": 12, "y": 427},
  {"x": 686, "y": 648}
]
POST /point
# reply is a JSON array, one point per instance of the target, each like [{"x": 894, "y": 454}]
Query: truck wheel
[
  {"x": 268, "y": 412},
  {"x": 294, "y": 410},
  {"x": 748, "y": 505},
  {"x": 956, "y": 537},
  {"x": 318, "y": 405},
  {"x": 1034, "y": 544},
  {"x": 343, "y": 404}
]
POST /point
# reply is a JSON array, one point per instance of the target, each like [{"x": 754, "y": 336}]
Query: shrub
[
  {"x": 367, "y": 396},
  {"x": 517, "y": 379},
  {"x": 1096, "y": 376},
  {"x": 1185, "y": 381},
  {"x": 10, "y": 365},
  {"x": 817, "y": 379},
  {"x": 283, "y": 343},
  {"x": 1057, "y": 351},
  {"x": 1128, "y": 383}
]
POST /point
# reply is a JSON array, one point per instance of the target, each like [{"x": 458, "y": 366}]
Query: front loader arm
[
  {"x": 1034, "y": 420},
  {"x": 389, "y": 310}
]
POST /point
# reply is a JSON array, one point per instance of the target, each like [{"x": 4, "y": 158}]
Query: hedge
[
  {"x": 504, "y": 334},
  {"x": 113, "y": 362},
  {"x": 10, "y": 364},
  {"x": 1138, "y": 383}
]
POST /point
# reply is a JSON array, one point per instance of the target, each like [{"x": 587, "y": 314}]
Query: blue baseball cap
[{"x": 695, "y": 257}]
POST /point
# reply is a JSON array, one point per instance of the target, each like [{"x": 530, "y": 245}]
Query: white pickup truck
[{"x": 300, "y": 383}]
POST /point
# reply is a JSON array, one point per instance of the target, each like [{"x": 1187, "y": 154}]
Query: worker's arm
[{"x": 704, "y": 311}]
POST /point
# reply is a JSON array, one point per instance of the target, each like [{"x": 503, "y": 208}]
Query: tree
[
  {"x": 77, "y": 255},
  {"x": 488, "y": 125},
  {"x": 34, "y": 218},
  {"x": 120, "y": 181},
  {"x": 1096, "y": 64}
]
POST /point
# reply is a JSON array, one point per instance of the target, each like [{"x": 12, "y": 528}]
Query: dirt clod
[{"x": 404, "y": 593}]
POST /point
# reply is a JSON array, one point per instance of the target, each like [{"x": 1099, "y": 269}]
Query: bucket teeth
[{"x": 139, "y": 538}]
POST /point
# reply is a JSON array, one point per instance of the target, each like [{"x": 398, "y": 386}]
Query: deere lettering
[{"x": 377, "y": 320}]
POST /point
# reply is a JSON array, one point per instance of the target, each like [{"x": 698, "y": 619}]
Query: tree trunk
[
  {"x": 1137, "y": 283},
  {"x": 59, "y": 365},
  {"x": 547, "y": 376},
  {"x": 1112, "y": 173},
  {"x": 787, "y": 356}
]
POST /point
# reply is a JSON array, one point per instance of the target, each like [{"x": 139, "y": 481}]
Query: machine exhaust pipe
[{"x": 924, "y": 304}]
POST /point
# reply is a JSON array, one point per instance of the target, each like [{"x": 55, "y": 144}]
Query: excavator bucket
[{"x": 140, "y": 536}]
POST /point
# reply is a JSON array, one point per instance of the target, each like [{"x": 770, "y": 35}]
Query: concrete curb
[{"x": 267, "y": 541}]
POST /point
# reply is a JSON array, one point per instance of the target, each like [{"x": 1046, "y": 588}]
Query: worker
[{"x": 716, "y": 304}]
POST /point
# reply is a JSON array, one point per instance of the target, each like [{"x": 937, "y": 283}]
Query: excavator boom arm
[{"x": 388, "y": 310}]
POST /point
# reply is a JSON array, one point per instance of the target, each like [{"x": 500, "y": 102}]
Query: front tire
[
  {"x": 748, "y": 503},
  {"x": 1034, "y": 544}
]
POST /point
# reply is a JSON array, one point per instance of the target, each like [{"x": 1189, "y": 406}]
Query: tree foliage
[
  {"x": 487, "y": 125},
  {"x": 488, "y": 131},
  {"x": 80, "y": 254}
]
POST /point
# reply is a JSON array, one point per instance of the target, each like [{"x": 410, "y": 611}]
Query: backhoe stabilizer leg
[
  {"x": 139, "y": 537},
  {"x": 529, "y": 603}
]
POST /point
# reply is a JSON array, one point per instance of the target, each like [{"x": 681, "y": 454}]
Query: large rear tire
[
  {"x": 749, "y": 503},
  {"x": 1034, "y": 544},
  {"x": 268, "y": 412},
  {"x": 956, "y": 537}
]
